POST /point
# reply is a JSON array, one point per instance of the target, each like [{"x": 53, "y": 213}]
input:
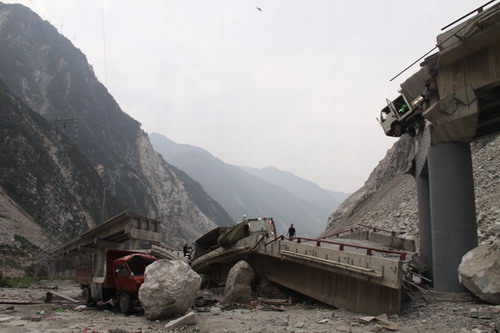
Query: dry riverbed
[{"x": 301, "y": 315}]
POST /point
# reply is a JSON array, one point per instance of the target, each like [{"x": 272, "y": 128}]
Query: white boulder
[
  {"x": 479, "y": 272},
  {"x": 238, "y": 285},
  {"x": 169, "y": 289}
]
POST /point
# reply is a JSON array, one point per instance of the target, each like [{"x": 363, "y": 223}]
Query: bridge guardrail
[
  {"x": 369, "y": 250},
  {"x": 379, "y": 269}
]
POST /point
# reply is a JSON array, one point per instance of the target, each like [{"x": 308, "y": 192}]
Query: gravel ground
[{"x": 418, "y": 315}]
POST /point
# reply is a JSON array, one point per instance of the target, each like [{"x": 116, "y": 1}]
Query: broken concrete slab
[
  {"x": 186, "y": 320},
  {"x": 20, "y": 300},
  {"x": 51, "y": 296},
  {"x": 6, "y": 319},
  {"x": 275, "y": 301},
  {"x": 382, "y": 322}
]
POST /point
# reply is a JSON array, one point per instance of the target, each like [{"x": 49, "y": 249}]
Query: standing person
[
  {"x": 185, "y": 249},
  {"x": 291, "y": 232}
]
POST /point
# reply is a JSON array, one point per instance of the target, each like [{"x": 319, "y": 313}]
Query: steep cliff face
[
  {"x": 54, "y": 79},
  {"x": 178, "y": 203},
  {"x": 388, "y": 198},
  {"x": 28, "y": 158}
]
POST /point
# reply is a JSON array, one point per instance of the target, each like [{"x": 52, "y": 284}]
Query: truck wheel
[
  {"x": 412, "y": 131},
  {"x": 125, "y": 303},
  {"x": 397, "y": 129},
  {"x": 87, "y": 297}
]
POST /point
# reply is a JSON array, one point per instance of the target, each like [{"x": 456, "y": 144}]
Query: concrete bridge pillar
[
  {"x": 453, "y": 211},
  {"x": 424, "y": 219}
]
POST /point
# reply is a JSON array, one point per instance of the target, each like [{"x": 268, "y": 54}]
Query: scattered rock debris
[{"x": 210, "y": 315}]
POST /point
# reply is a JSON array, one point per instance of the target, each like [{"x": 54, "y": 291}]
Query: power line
[{"x": 479, "y": 10}]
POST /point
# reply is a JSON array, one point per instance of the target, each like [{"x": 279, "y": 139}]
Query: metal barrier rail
[
  {"x": 369, "y": 250},
  {"x": 257, "y": 244},
  {"x": 351, "y": 230},
  {"x": 275, "y": 239},
  {"x": 392, "y": 232}
]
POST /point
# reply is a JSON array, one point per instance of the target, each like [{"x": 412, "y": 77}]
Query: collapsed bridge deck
[{"x": 357, "y": 274}]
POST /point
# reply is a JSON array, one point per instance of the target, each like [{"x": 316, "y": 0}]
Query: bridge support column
[
  {"x": 453, "y": 211},
  {"x": 424, "y": 219}
]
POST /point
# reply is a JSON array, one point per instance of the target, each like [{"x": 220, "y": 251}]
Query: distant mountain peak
[{"x": 241, "y": 190}]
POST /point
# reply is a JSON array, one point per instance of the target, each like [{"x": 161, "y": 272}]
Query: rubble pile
[
  {"x": 485, "y": 162},
  {"x": 259, "y": 315}
]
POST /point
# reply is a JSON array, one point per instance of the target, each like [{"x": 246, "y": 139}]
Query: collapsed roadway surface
[{"x": 358, "y": 270}]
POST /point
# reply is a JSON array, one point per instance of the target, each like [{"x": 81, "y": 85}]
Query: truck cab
[
  {"x": 401, "y": 116},
  {"x": 227, "y": 236},
  {"x": 123, "y": 276},
  {"x": 129, "y": 271},
  {"x": 262, "y": 225}
]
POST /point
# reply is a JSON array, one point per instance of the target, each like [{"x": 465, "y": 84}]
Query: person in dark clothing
[
  {"x": 185, "y": 249},
  {"x": 291, "y": 232}
]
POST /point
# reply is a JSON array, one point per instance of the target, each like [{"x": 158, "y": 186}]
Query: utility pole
[{"x": 112, "y": 175}]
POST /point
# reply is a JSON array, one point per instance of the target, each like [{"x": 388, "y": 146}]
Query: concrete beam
[
  {"x": 102, "y": 244},
  {"x": 339, "y": 290},
  {"x": 467, "y": 38},
  {"x": 454, "y": 118}
]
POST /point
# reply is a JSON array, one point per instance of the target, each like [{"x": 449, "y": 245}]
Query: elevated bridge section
[
  {"x": 124, "y": 231},
  {"x": 452, "y": 100},
  {"x": 354, "y": 274}
]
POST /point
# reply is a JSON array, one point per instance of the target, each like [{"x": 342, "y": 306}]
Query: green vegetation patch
[
  {"x": 17, "y": 282},
  {"x": 25, "y": 244}
]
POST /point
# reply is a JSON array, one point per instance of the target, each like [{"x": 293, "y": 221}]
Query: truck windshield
[
  {"x": 261, "y": 225},
  {"x": 138, "y": 265}
]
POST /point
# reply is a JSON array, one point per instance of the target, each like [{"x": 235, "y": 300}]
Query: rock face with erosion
[
  {"x": 48, "y": 79},
  {"x": 479, "y": 272},
  {"x": 238, "y": 285},
  {"x": 169, "y": 289}
]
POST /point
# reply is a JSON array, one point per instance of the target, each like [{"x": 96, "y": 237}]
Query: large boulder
[
  {"x": 479, "y": 272},
  {"x": 238, "y": 285},
  {"x": 169, "y": 289}
]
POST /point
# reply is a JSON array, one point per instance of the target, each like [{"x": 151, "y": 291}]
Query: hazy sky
[{"x": 297, "y": 85}]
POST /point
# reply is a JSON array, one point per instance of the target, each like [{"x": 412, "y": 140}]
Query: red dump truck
[{"x": 115, "y": 275}]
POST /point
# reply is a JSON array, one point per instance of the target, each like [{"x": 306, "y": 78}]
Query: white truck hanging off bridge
[{"x": 401, "y": 116}]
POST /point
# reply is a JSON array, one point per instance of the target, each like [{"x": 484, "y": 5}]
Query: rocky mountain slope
[
  {"x": 28, "y": 159},
  {"x": 388, "y": 198},
  {"x": 242, "y": 193},
  {"x": 53, "y": 78},
  {"x": 19, "y": 235}
]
